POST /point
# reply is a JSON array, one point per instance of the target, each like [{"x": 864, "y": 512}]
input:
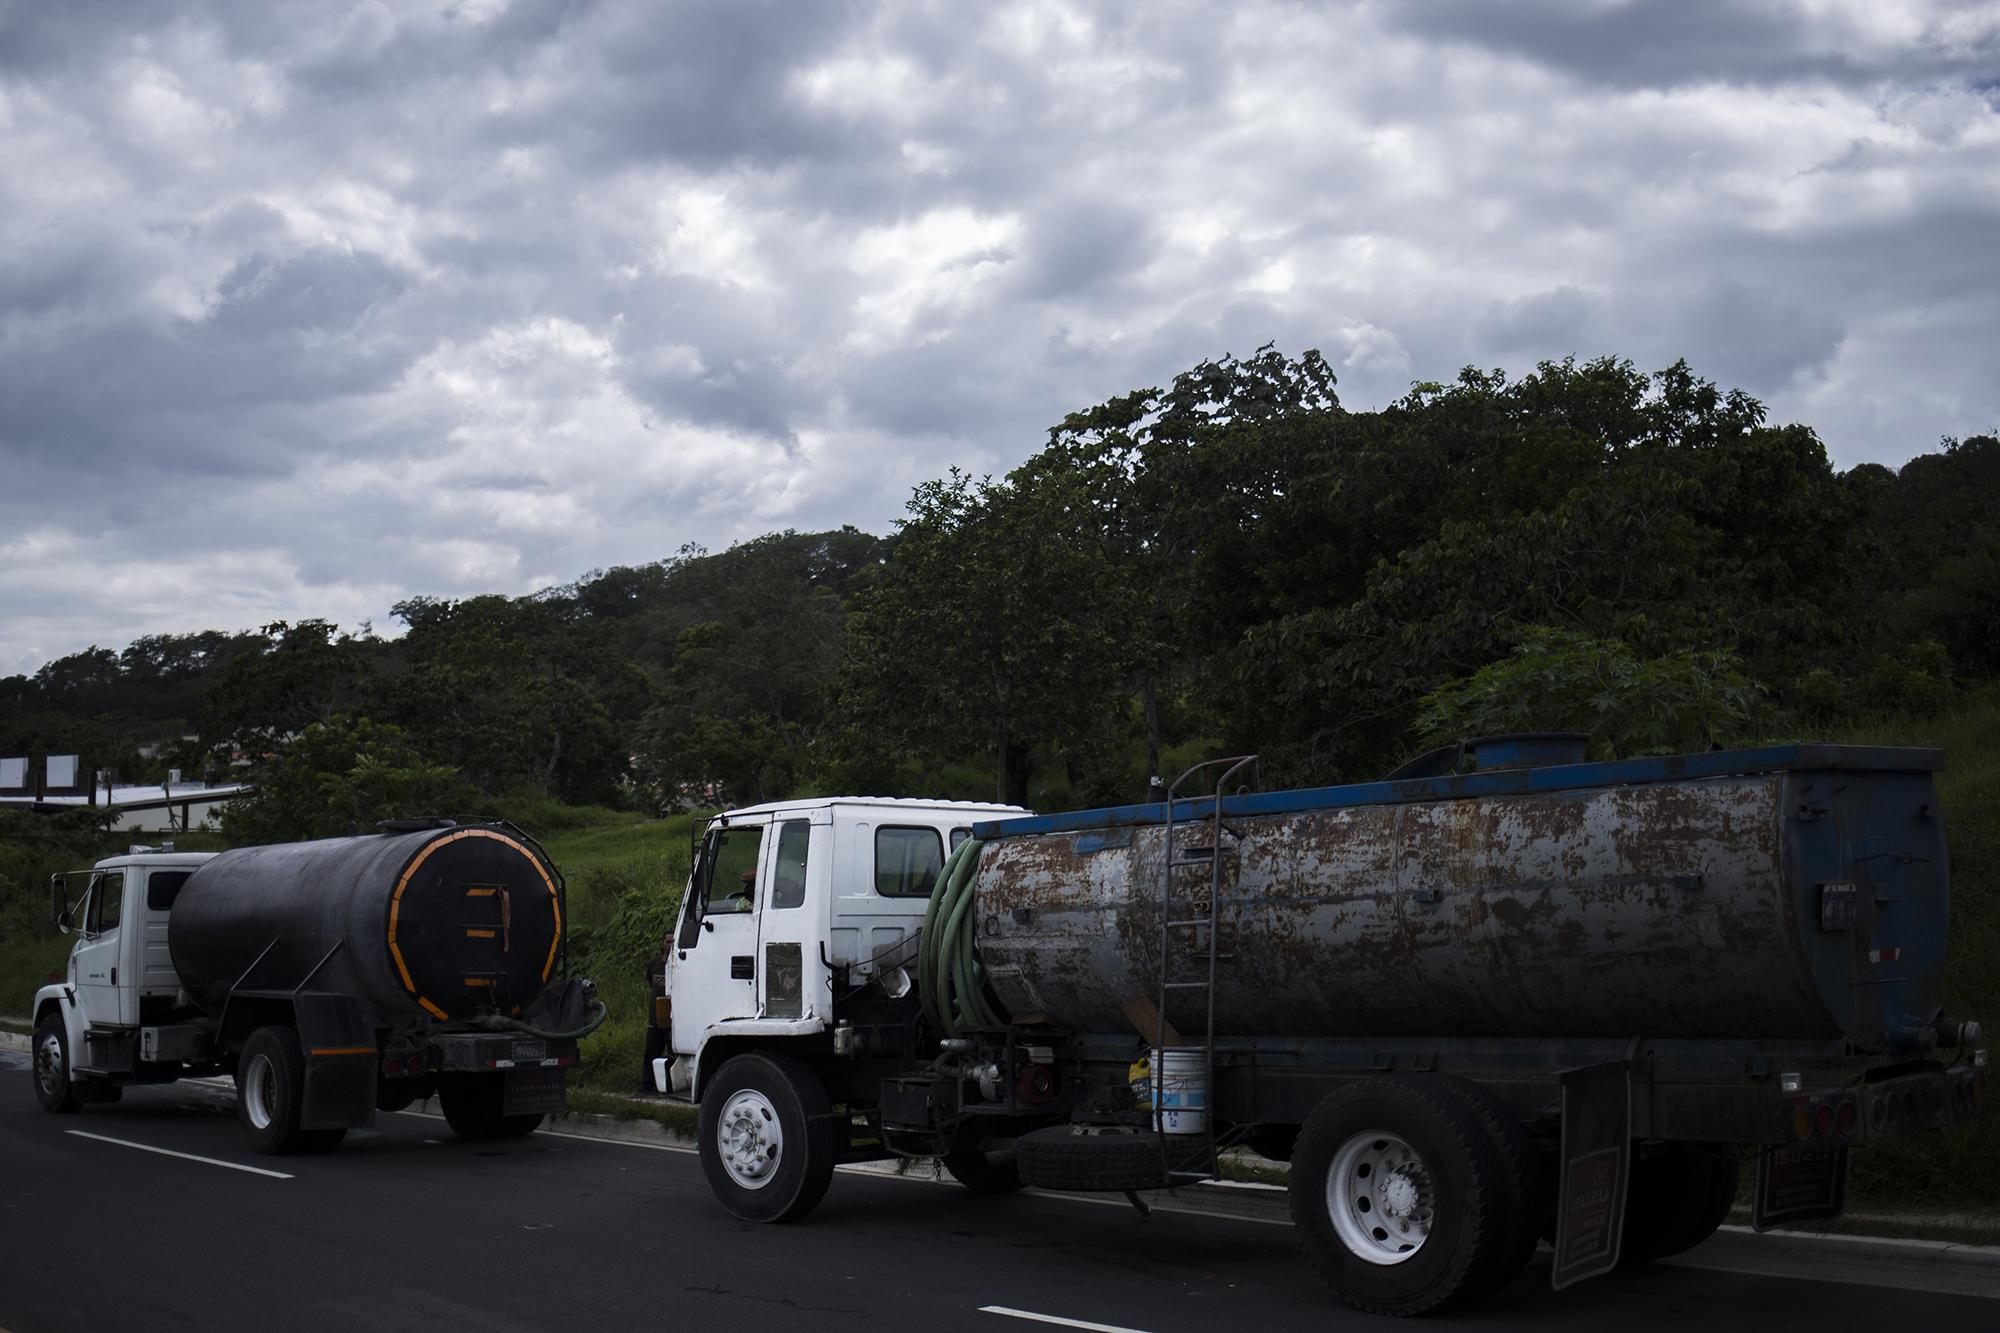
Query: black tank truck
[{"x": 338, "y": 978}]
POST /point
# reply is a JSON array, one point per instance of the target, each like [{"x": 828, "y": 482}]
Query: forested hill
[{"x": 1235, "y": 563}]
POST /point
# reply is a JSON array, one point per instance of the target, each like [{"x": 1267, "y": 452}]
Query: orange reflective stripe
[
  {"x": 342, "y": 1050},
  {"x": 479, "y": 934}
]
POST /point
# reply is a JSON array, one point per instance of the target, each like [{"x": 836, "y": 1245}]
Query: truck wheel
[
  {"x": 1399, "y": 1197},
  {"x": 972, "y": 1168},
  {"x": 1678, "y": 1196},
  {"x": 1521, "y": 1179},
  {"x": 471, "y": 1105},
  {"x": 767, "y": 1138},
  {"x": 53, "y": 1088},
  {"x": 271, "y": 1089}
]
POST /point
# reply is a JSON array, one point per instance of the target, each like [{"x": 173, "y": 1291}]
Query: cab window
[
  {"x": 907, "y": 861},
  {"x": 163, "y": 887},
  {"x": 107, "y": 900},
  {"x": 788, "y": 880},
  {"x": 732, "y": 872}
]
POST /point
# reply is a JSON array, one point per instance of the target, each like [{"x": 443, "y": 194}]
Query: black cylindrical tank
[{"x": 449, "y": 922}]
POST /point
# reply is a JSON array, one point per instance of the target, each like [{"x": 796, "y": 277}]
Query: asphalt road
[{"x": 405, "y": 1227}]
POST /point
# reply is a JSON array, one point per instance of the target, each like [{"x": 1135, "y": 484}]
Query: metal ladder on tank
[{"x": 1190, "y": 907}]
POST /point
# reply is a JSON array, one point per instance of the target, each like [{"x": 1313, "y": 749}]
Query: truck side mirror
[{"x": 58, "y": 908}]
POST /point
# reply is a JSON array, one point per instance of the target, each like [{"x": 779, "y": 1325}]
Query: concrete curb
[{"x": 13, "y": 1041}]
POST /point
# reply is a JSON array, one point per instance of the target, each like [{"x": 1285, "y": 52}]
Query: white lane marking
[
  {"x": 184, "y": 1156},
  {"x": 1031, "y": 1316}
]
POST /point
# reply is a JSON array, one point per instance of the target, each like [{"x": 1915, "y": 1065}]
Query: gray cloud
[{"x": 307, "y": 308}]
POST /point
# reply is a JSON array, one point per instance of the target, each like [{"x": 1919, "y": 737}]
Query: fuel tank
[
  {"x": 1787, "y": 892},
  {"x": 446, "y": 922}
]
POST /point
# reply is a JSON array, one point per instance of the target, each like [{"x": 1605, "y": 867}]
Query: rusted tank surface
[{"x": 1796, "y": 892}]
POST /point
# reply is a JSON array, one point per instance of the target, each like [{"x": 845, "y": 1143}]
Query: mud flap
[
  {"x": 338, "y": 1041},
  {"x": 1797, "y": 1185},
  {"x": 1596, "y": 1171},
  {"x": 340, "y": 1094}
]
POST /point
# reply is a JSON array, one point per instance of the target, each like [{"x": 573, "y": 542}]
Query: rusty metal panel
[{"x": 1654, "y": 908}]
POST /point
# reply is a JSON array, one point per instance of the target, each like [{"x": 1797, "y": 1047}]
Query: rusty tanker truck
[{"x": 1505, "y": 995}]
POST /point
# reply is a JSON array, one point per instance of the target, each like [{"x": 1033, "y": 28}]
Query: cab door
[
  {"x": 715, "y": 949},
  {"x": 99, "y": 965}
]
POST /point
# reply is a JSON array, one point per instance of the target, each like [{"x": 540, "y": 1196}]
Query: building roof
[
  {"x": 886, "y": 802},
  {"x": 148, "y": 797}
]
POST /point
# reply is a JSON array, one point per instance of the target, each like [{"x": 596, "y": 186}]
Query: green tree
[
  {"x": 992, "y": 628},
  {"x": 1560, "y": 680},
  {"x": 341, "y": 776},
  {"x": 500, "y": 689}
]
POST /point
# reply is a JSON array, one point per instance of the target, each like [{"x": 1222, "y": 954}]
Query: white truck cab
[
  {"x": 786, "y": 899},
  {"x": 120, "y": 974}
]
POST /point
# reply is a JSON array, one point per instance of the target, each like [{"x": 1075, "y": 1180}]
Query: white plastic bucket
[{"x": 1183, "y": 1107}]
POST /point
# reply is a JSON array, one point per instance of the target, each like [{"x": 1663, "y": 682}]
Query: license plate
[{"x": 530, "y": 1050}]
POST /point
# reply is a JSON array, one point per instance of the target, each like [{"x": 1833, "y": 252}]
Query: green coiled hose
[{"x": 950, "y": 978}]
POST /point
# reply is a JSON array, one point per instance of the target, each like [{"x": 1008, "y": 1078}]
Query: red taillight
[
  {"x": 416, "y": 1065},
  {"x": 1846, "y": 1117},
  {"x": 393, "y": 1066},
  {"x": 1823, "y": 1121}
]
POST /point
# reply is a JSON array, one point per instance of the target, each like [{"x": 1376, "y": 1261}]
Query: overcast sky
[{"x": 307, "y": 308}]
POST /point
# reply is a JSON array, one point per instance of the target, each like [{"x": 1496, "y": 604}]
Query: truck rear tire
[
  {"x": 1399, "y": 1196},
  {"x": 53, "y": 1088},
  {"x": 1521, "y": 1177},
  {"x": 767, "y": 1143},
  {"x": 1678, "y": 1196},
  {"x": 271, "y": 1089},
  {"x": 472, "y": 1107}
]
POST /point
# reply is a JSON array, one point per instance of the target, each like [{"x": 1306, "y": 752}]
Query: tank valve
[{"x": 1958, "y": 1032}]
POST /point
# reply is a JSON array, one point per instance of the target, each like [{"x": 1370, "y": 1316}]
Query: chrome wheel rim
[
  {"x": 49, "y": 1062},
  {"x": 1380, "y": 1197},
  {"x": 749, "y": 1139},
  {"x": 260, "y": 1091}
]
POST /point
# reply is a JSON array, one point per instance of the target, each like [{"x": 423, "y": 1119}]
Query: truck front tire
[
  {"x": 271, "y": 1090},
  {"x": 53, "y": 1088},
  {"x": 767, "y": 1138},
  {"x": 1399, "y": 1196}
]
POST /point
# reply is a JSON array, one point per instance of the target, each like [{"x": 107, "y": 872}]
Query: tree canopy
[{"x": 1235, "y": 562}]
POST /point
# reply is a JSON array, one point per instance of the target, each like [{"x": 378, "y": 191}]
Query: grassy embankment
[{"x": 625, "y": 876}]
